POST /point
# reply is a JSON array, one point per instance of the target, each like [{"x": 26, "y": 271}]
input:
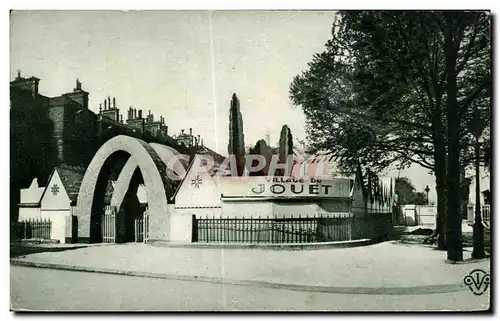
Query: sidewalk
[{"x": 394, "y": 267}]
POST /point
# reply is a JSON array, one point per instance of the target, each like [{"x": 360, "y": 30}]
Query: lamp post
[
  {"x": 427, "y": 189},
  {"x": 476, "y": 127}
]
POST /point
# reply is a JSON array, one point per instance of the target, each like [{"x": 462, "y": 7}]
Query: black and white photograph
[{"x": 250, "y": 160}]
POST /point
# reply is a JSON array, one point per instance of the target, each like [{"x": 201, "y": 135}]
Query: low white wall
[
  {"x": 26, "y": 213},
  {"x": 180, "y": 228},
  {"x": 239, "y": 209},
  {"x": 285, "y": 209},
  {"x": 181, "y": 221},
  {"x": 427, "y": 215},
  {"x": 181, "y": 218},
  {"x": 58, "y": 223}
]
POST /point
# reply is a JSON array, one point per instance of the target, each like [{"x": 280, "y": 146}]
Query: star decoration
[
  {"x": 196, "y": 182},
  {"x": 55, "y": 189}
]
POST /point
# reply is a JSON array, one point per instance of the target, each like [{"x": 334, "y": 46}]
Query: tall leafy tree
[
  {"x": 285, "y": 147},
  {"x": 285, "y": 143},
  {"x": 236, "y": 145},
  {"x": 380, "y": 92}
]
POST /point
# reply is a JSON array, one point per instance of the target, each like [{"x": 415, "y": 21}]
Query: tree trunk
[
  {"x": 440, "y": 173},
  {"x": 453, "y": 217},
  {"x": 478, "y": 231},
  {"x": 441, "y": 206}
]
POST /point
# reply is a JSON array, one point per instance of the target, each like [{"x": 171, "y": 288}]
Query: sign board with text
[{"x": 284, "y": 187}]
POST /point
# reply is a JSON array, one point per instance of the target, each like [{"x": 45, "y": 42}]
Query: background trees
[
  {"x": 407, "y": 193},
  {"x": 33, "y": 151}
]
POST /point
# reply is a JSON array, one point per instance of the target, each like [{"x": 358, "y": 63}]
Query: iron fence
[
  {"x": 486, "y": 214},
  {"x": 139, "y": 230},
  {"x": 306, "y": 229},
  {"x": 145, "y": 217},
  {"x": 36, "y": 229}
]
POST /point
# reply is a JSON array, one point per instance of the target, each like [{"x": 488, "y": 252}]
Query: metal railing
[
  {"x": 301, "y": 229},
  {"x": 486, "y": 214},
  {"x": 139, "y": 230},
  {"x": 36, "y": 229},
  {"x": 108, "y": 228}
]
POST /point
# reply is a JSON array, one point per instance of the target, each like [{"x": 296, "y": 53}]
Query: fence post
[
  {"x": 194, "y": 230},
  {"x": 136, "y": 234}
]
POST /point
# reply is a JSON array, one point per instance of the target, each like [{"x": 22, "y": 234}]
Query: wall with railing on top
[{"x": 311, "y": 228}]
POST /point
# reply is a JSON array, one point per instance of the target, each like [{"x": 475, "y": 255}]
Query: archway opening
[
  {"x": 103, "y": 191},
  {"x": 131, "y": 212},
  {"x": 103, "y": 168}
]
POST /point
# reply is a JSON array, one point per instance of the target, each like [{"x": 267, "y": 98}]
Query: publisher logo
[{"x": 477, "y": 281}]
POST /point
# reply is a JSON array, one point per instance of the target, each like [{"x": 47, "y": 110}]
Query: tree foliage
[
  {"x": 407, "y": 193},
  {"x": 236, "y": 145},
  {"x": 376, "y": 93},
  {"x": 285, "y": 143},
  {"x": 33, "y": 151}
]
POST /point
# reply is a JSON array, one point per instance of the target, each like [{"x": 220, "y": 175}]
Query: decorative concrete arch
[
  {"x": 166, "y": 154},
  {"x": 154, "y": 173}
]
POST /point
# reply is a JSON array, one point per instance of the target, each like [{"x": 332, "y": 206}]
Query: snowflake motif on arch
[
  {"x": 196, "y": 181},
  {"x": 55, "y": 189}
]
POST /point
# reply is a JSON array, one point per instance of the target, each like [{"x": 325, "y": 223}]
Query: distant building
[
  {"x": 69, "y": 133},
  {"x": 74, "y": 125}
]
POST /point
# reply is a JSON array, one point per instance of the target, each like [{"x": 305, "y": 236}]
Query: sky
[{"x": 183, "y": 65}]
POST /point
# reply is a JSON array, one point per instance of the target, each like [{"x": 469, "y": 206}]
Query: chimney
[
  {"x": 182, "y": 131},
  {"x": 109, "y": 103},
  {"x": 114, "y": 102},
  {"x": 105, "y": 104},
  {"x": 29, "y": 84},
  {"x": 134, "y": 113},
  {"x": 202, "y": 142},
  {"x": 166, "y": 130},
  {"x": 121, "y": 119},
  {"x": 198, "y": 140},
  {"x": 78, "y": 85},
  {"x": 190, "y": 132},
  {"x": 100, "y": 108},
  {"x": 140, "y": 113}
]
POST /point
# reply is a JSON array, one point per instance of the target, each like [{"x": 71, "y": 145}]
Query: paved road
[{"x": 46, "y": 289}]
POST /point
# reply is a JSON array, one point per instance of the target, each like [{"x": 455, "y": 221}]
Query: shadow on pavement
[
  {"x": 401, "y": 235},
  {"x": 20, "y": 249}
]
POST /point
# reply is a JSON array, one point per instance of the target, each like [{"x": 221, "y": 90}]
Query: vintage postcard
[{"x": 222, "y": 160}]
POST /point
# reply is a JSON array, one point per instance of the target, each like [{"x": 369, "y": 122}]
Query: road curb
[
  {"x": 412, "y": 290},
  {"x": 270, "y": 246}
]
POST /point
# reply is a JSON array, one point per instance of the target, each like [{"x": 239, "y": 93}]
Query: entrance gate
[
  {"x": 109, "y": 228},
  {"x": 108, "y": 225},
  {"x": 141, "y": 228}
]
